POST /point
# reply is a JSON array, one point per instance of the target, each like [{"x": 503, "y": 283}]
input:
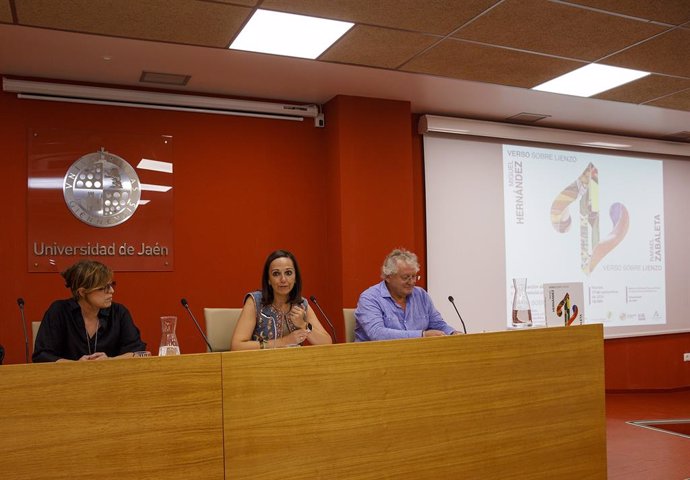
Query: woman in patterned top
[{"x": 277, "y": 315}]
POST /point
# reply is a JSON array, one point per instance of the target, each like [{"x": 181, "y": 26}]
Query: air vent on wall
[
  {"x": 164, "y": 78},
  {"x": 525, "y": 117}
]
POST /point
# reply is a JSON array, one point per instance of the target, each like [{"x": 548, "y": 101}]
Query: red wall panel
[
  {"x": 374, "y": 166},
  {"x": 647, "y": 363}
]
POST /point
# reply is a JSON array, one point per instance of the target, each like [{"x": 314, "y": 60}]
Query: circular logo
[{"x": 101, "y": 189}]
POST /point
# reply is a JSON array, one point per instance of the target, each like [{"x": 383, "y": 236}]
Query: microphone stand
[
  {"x": 198, "y": 327},
  {"x": 313, "y": 299},
  {"x": 20, "y": 302},
  {"x": 464, "y": 329}
]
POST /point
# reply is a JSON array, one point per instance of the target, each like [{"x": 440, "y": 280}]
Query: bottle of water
[
  {"x": 169, "y": 345},
  {"x": 522, "y": 313}
]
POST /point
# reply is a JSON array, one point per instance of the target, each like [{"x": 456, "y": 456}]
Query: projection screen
[{"x": 616, "y": 222}]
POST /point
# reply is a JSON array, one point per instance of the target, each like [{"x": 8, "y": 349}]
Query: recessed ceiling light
[
  {"x": 590, "y": 80},
  {"x": 288, "y": 34}
]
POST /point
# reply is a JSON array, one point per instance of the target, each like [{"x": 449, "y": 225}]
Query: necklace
[
  {"x": 88, "y": 342},
  {"x": 284, "y": 319},
  {"x": 282, "y": 309}
]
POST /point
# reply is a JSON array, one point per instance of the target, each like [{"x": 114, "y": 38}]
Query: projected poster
[{"x": 590, "y": 218}]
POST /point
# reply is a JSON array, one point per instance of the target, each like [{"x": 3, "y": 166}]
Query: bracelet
[{"x": 309, "y": 327}]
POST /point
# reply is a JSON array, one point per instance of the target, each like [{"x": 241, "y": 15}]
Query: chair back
[
  {"x": 220, "y": 325},
  {"x": 349, "y": 320},
  {"x": 34, "y": 330}
]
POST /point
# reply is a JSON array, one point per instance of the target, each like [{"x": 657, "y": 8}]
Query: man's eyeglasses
[
  {"x": 107, "y": 287},
  {"x": 413, "y": 278}
]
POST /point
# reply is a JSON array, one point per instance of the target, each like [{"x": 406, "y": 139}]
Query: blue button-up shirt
[{"x": 380, "y": 318}]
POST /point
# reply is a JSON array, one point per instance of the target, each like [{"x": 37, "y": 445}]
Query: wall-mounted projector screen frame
[{"x": 636, "y": 287}]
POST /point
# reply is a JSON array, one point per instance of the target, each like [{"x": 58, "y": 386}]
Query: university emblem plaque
[{"x": 101, "y": 189}]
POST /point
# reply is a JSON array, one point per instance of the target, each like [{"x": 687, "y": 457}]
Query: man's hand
[{"x": 433, "y": 333}]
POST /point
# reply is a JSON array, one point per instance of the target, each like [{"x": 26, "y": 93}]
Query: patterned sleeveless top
[{"x": 270, "y": 320}]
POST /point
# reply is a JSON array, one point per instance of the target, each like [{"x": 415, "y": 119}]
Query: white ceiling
[{"x": 60, "y": 55}]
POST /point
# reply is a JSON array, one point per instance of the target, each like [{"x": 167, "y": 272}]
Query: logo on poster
[{"x": 101, "y": 189}]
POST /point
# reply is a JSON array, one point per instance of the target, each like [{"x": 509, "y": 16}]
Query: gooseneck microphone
[
  {"x": 450, "y": 299},
  {"x": 198, "y": 327},
  {"x": 313, "y": 300},
  {"x": 20, "y": 302}
]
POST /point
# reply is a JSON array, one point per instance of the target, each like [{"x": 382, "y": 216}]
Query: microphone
[
  {"x": 186, "y": 306},
  {"x": 450, "y": 299},
  {"x": 313, "y": 300},
  {"x": 20, "y": 302}
]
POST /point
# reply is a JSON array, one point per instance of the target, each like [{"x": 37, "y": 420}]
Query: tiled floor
[{"x": 636, "y": 453}]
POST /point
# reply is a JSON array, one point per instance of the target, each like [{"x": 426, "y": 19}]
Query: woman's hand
[
  {"x": 94, "y": 356},
  {"x": 298, "y": 316},
  {"x": 296, "y": 337}
]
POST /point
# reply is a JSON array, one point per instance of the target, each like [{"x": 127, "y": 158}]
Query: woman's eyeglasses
[{"x": 107, "y": 287}]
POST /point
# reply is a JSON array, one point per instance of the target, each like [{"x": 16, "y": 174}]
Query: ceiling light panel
[
  {"x": 288, "y": 34},
  {"x": 590, "y": 80}
]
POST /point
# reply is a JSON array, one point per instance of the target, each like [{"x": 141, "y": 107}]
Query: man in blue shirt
[{"x": 395, "y": 307}]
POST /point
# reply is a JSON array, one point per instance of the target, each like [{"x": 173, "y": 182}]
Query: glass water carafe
[
  {"x": 522, "y": 313},
  {"x": 169, "y": 345}
]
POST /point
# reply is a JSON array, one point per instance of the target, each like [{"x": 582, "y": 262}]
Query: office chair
[
  {"x": 34, "y": 330},
  {"x": 349, "y": 319},
  {"x": 220, "y": 325}
]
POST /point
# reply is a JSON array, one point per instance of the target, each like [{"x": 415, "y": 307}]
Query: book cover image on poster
[
  {"x": 564, "y": 304},
  {"x": 590, "y": 218}
]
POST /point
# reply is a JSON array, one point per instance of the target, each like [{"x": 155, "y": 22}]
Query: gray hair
[{"x": 397, "y": 256}]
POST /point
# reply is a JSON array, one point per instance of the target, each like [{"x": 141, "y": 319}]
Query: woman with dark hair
[
  {"x": 88, "y": 326},
  {"x": 278, "y": 316}
]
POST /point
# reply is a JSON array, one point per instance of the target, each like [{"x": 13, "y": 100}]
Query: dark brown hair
[{"x": 295, "y": 295}]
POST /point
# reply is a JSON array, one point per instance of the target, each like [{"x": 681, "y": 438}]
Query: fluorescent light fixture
[
  {"x": 590, "y": 80},
  {"x": 288, "y": 34},
  {"x": 150, "y": 187},
  {"x": 155, "y": 165}
]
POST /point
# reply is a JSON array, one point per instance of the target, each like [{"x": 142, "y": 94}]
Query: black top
[{"x": 63, "y": 335}]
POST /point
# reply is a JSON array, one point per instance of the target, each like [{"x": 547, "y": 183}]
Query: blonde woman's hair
[{"x": 87, "y": 274}]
